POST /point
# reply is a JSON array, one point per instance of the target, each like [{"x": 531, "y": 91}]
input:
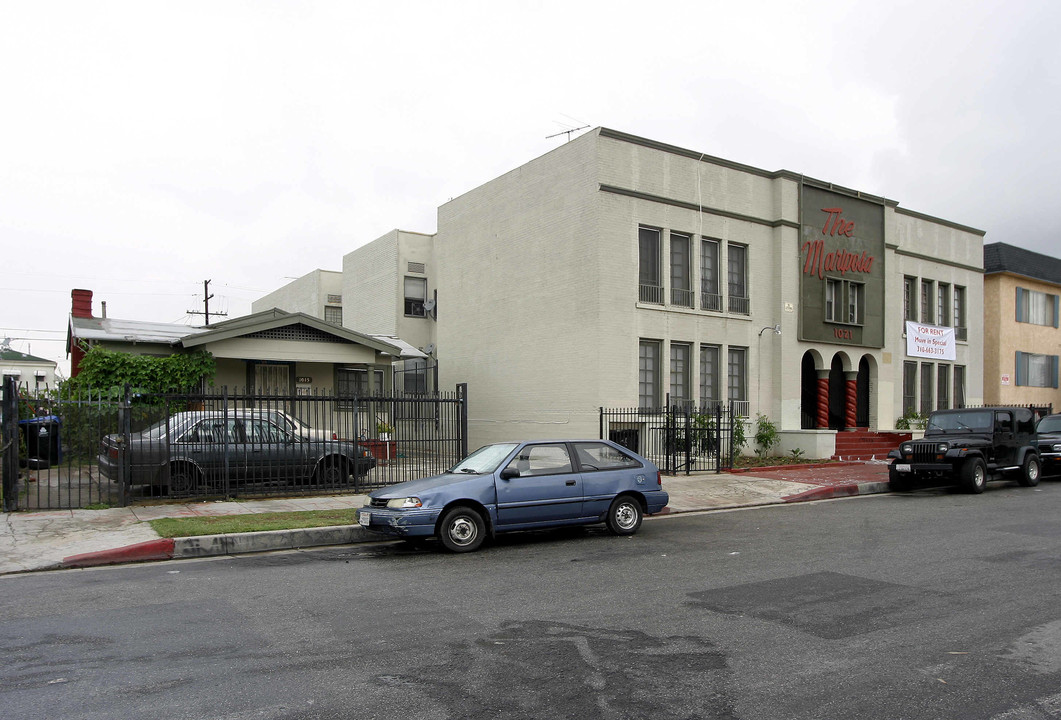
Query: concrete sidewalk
[{"x": 81, "y": 538}]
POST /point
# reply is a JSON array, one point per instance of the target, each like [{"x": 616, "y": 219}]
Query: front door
[{"x": 547, "y": 488}]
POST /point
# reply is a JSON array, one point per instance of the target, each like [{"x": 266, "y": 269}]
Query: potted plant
[{"x": 384, "y": 430}]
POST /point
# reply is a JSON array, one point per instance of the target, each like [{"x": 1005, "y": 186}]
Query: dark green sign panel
[{"x": 841, "y": 267}]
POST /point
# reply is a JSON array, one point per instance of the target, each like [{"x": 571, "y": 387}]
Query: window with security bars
[
  {"x": 357, "y": 382},
  {"x": 333, "y": 315}
]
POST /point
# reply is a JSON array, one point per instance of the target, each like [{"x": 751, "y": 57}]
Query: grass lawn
[{"x": 252, "y": 522}]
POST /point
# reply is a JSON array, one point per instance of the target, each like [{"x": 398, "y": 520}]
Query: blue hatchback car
[{"x": 521, "y": 486}]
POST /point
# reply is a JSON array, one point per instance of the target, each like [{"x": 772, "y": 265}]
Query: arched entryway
[
  {"x": 862, "y": 393},
  {"x": 808, "y": 404},
  {"x": 837, "y": 394}
]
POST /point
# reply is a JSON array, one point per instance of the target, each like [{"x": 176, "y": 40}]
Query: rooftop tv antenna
[{"x": 566, "y": 132}]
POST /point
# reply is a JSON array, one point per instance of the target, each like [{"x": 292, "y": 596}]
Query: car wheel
[
  {"x": 897, "y": 482},
  {"x": 333, "y": 472},
  {"x": 184, "y": 479},
  {"x": 1031, "y": 471},
  {"x": 624, "y": 515},
  {"x": 974, "y": 475},
  {"x": 461, "y": 530}
]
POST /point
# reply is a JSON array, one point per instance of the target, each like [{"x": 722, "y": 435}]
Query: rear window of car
[{"x": 601, "y": 456}]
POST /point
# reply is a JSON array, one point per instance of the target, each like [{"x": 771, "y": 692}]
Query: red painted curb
[
  {"x": 140, "y": 552},
  {"x": 796, "y": 466},
  {"x": 823, "y": 493}
]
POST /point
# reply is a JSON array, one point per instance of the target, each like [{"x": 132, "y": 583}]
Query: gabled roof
[
  {"x": 133, "y": 331},
  {"x": 276, "y": 318},
  {"x": 9, "y": 355},
  {"x": 1003, "y": 258},
  {"x": 177, "y": 335}
]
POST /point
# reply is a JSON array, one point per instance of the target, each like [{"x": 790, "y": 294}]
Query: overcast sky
[{"x": 148, "y": 146}]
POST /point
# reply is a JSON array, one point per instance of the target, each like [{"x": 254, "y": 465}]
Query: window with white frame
[
  {"x": 844, "y": 301},
  {"x": 415, "y": 296},
  {"x": 333, "y": 315}
]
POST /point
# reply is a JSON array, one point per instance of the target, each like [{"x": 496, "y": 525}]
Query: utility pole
[{"x": 206, "y": 304}]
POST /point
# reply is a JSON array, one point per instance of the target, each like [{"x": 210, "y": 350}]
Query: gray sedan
[{"x": 192, "y": 452}]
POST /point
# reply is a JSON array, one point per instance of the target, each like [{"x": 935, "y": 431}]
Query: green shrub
[
  {"x": 911, "y": 420},
  {"x": 765, "y": 435}
]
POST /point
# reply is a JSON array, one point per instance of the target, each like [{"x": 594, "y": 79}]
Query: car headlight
[
  {"x": 1057, "y": 447},
  {"x": 941, "y": 448},
  {"x": 405, "y": 503},
  {"x": 906, "y": 449}
]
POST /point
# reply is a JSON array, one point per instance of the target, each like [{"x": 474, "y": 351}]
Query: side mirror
[{"x": 509, "y": 473}]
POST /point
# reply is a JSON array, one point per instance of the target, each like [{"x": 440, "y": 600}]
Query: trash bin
[{"x": 42, "y": 441}]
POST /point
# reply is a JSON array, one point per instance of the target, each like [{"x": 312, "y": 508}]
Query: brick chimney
[
  {"x": 82, "y": 303},
  {"x": 81, "y": 307}
]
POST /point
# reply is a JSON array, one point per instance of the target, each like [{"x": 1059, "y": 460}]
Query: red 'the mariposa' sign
[{"x": 819, "y": 262}]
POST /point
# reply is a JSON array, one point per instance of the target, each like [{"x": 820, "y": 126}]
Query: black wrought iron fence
[
  {"x": 80, "y": 451},
  {"x": 678, "y": 439}
]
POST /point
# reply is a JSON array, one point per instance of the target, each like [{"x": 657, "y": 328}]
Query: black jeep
[
  {"x": 969, "y": 447},
  {"x": 1049, "y": 430}
]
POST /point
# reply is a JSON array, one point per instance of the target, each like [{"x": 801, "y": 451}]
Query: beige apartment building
[
  {"x": 1022, "y": 340},
  {"x": 617, "y": 271}
]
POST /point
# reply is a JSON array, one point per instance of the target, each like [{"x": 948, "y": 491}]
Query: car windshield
[
  {"x": 978, "y": 420},
  {"x": 1050, "y": 424},
  {"x": 484, "y": 460},
  {"x": 175, "y": 423}
]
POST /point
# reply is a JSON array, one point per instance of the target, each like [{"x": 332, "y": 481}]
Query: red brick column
[
  {"x": 823, "y": 398},
  {"x": 851, "y": 401}
]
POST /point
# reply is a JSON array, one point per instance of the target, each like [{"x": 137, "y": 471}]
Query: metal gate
[
  {"x": 94, "y": 450},
  {"x": 677, "y": 438}
]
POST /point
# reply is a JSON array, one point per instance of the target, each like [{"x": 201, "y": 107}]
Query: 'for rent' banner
[{"x": 929, "y": 341}]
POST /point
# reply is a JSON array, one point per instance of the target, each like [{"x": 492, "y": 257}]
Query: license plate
[
  {"x": 364, "y": 518},
  {"x": 902, "y": 467}
]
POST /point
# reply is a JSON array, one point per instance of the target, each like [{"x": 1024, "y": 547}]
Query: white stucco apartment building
[{"x": 618, "y": 271}]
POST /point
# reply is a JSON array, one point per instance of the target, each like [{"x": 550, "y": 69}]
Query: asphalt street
[{"x": 931, "y": 604}]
